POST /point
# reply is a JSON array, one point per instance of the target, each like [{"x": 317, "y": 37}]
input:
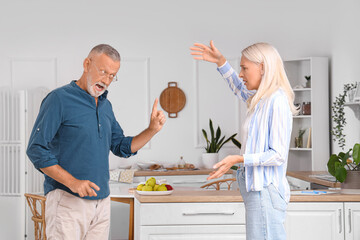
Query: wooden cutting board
[{"x": 172, "y": 99}]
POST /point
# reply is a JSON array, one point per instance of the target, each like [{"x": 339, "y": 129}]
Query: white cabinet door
[
  {"x": 314, "y": 221},
  {"x": 193, "y": 232},
  {"x": 352, "y": 221}
]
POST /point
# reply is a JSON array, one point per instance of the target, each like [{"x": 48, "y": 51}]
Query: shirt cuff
[
  {"x": 224, "y": 68},
  {"x": 251, "y": 160}
]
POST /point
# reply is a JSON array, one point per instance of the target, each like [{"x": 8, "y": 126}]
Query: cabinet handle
[
  {"x": 204, "y": 213},
  {"x": 349, "y": 220},
  {"x": 340, "y": 225}
]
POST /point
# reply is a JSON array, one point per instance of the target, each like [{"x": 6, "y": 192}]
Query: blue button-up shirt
[{"x": 73, "y": 132}]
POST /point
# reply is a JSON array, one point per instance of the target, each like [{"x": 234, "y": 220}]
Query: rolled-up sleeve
[
  {"x": 235, "y": 83},
  {"x": 45, "y": 128},
  {"x": 120, "y": 144}
]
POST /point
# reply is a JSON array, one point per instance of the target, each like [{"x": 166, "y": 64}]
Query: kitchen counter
[
  {"x": 200, "y": 171},
  {"x": 308, "y": 176},
  {"x": 234, "y": 196}
]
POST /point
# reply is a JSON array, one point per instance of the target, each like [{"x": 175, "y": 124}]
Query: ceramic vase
[
  {"x": 351, "y": 185},
  {"x": 209, "y": 159}
]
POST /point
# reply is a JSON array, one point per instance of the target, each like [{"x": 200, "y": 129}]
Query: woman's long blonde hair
[{"x": 274, "y": 76}]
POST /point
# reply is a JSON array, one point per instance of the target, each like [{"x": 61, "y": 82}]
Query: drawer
[
  {"x": 191, "y": 213},
  {"x": 194, "y": 232}
]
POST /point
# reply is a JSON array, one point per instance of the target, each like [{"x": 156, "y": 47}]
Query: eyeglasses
[{"x": 103, "y": 73}]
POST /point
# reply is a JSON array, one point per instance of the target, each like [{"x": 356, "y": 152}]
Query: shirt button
[
  {"x": 99, "y": 125},
  {"x": 38, "y": 129}
]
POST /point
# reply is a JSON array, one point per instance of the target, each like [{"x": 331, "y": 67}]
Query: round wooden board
[{"x": 172, "y": 99}]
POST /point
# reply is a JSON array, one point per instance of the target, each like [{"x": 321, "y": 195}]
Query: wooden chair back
[
  {"x": 37, "y": 207},
  {"x": 218, "y": 183}
]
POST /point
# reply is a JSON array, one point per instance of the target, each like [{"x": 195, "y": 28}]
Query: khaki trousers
[{"x": 71, "y": 217}]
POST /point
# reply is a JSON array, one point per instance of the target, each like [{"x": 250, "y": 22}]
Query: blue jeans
[{"x": 265, "y": 211}]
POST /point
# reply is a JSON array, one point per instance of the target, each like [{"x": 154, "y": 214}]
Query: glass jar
[
  {"x": 181, "y": 163},
  {"x": 306, "y": 108}
]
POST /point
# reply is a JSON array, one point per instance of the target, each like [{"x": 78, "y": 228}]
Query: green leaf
[
  {"x": 234, "y": 167},
  {"x": 236, "y": 143},
  {"x": 340, "y": 173},
  {"x": 356, "y": 153},
  {"x": 211, "y": 130},
  {"x": 331, "y": 164},
  {"x": 205, "y": 135},
  {"x": 218, "y": 134},
  {"x": 221, "y": 140}
]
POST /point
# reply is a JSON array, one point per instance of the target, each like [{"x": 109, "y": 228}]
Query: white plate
[{"x": 154, "y": 193}]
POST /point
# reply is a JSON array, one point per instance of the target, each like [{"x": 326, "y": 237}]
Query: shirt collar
[{"x": 101, "y": 97}]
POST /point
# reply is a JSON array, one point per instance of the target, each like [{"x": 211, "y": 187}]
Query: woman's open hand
[
  {"x": 224, "y": 165},
  {"x": 207, "y": 53}
]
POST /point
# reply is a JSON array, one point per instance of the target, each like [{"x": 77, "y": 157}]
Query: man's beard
[{"x": 92, "y": 88}]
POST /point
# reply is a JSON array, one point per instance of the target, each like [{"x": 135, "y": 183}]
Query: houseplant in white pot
[
  {"x": 214, "y": 144},
  {"x": 345, "y": 170}
]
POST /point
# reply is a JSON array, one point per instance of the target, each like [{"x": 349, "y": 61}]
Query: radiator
[{"x": 17, "y": 174}]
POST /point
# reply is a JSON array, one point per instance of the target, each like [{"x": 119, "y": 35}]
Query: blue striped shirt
[{"x": 268, "y": 139}]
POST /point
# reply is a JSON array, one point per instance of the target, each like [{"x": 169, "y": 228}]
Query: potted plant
[
  {"x": 213, "y": 145},
  {"x": 299, "y": 138},
  {"x": 338, "y": 115},
  {"x": 345, "y": 170}
]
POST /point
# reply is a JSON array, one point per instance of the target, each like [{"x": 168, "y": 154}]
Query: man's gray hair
[{"x": 107, "y": 50}]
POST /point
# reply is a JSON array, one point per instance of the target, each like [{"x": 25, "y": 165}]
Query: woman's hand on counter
[{"x": 224, "y": 165}]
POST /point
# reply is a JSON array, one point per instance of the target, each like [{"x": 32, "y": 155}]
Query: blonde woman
[{"x": 263, "y": 85}]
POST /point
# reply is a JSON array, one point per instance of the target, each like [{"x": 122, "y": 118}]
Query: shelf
[
  {"x": 302, "y": 116},
  {"x": 301, "y": 89},
  {"x": 301, "y": 149},
  {"x": 352, "y": 104},
  {"x": 355, "y": 106}
]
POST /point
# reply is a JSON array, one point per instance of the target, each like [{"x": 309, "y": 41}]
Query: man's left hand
[{"x": 157, "y": 119}]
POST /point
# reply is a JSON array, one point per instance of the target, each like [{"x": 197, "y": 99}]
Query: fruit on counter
[
  {"x": 152, "y": 185},
  {"x": 151, "y": 182},
  {"x": 146, "y": 188},
  {"x": 162, "y": 188}
]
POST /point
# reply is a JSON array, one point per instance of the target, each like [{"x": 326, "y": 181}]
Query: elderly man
[{"x": 70, "y": 143}]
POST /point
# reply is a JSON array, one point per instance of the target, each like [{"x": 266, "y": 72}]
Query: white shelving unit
[
  {"x": 355, "y": 106},
  {"x": 315, "y": 156}
]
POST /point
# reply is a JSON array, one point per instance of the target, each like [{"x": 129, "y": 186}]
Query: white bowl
[{"x": 145, "y": 165}]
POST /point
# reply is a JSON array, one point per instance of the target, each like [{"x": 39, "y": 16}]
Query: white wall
[
  {"x": 345, "y": 62},
  {"x": 50, "y": 39},
  {"x": 61, "y": 34}
]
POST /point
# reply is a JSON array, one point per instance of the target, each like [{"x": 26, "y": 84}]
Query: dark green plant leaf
[
  {"x": 234, "y": 167},
  {"x": 356, "y": 153},
  {"x": 227, "y": 140},
  {"x": 218, "y": 134},
  {"x": 236, "y": 143},
  {"x": 221, "y": 140},
  {"x": 211, "y": 130},
  {"x": 331, "y": 164},
  {"x": 205, "y": 135},
  {"x": 340, "y": 173}
]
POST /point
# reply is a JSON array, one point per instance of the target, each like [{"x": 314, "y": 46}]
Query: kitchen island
[{"x": 209, "y": 214}]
